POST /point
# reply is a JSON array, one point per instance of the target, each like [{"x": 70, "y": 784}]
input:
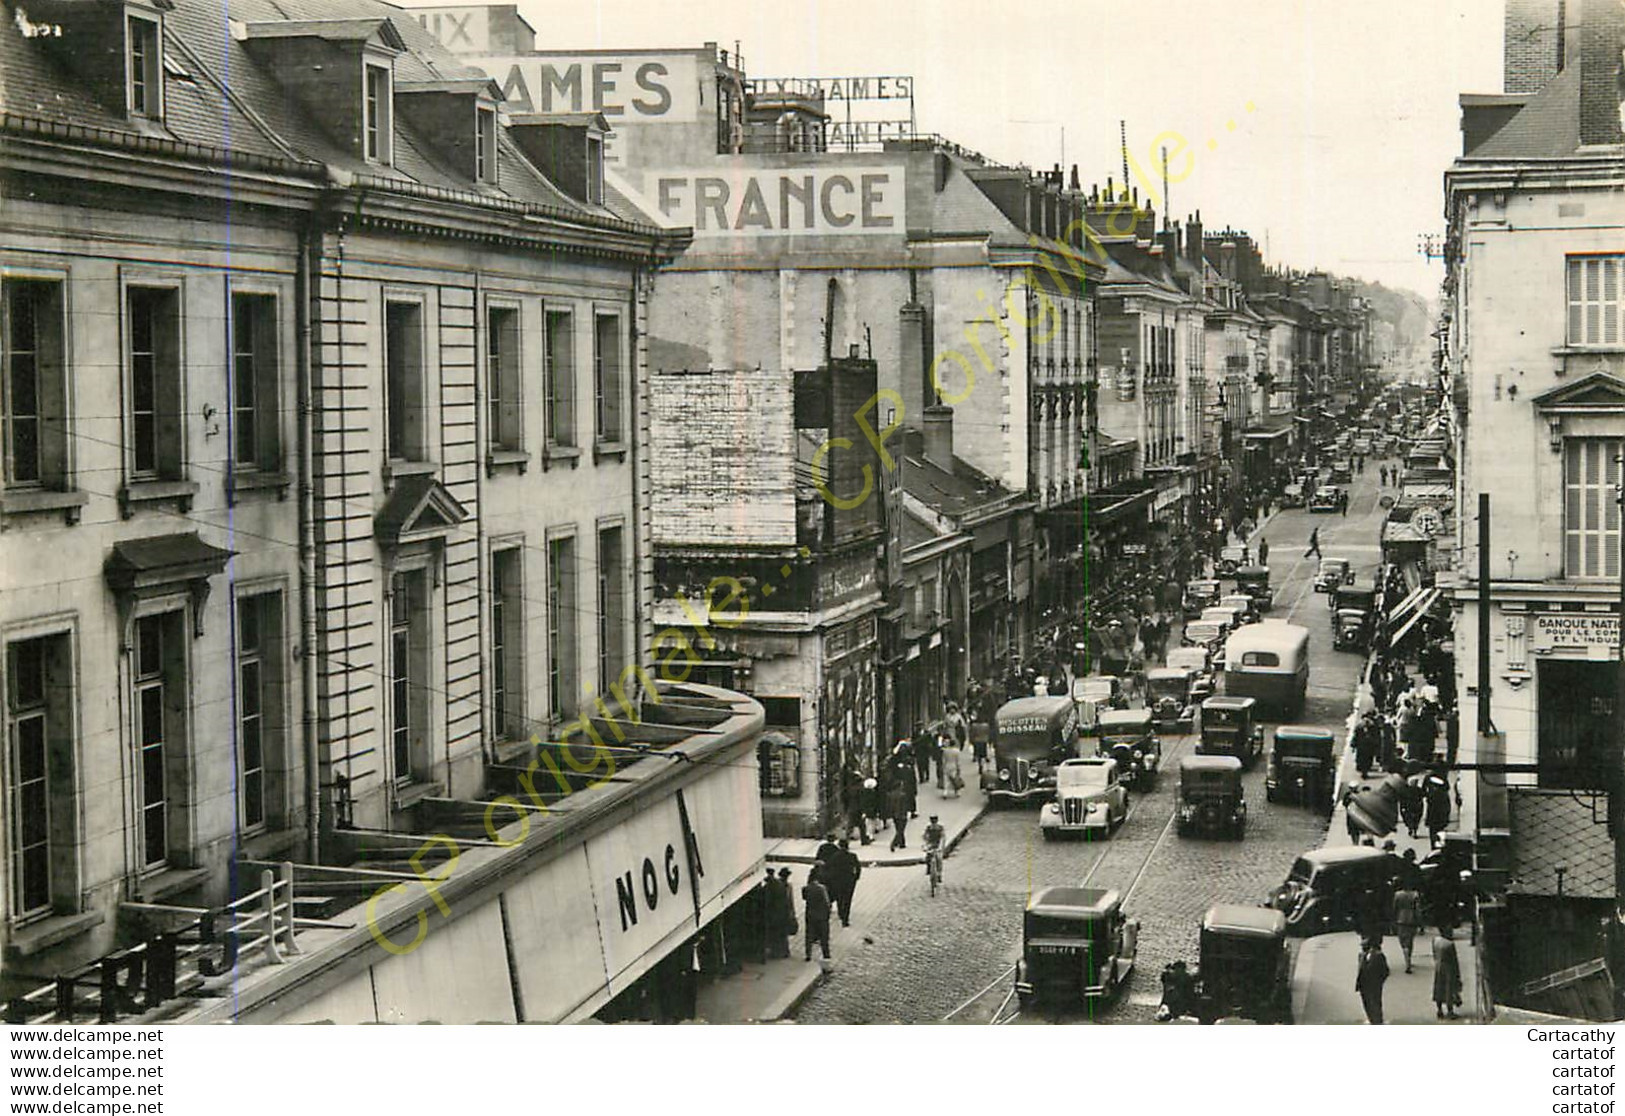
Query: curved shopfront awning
[{"x": 1424, "y": 601}]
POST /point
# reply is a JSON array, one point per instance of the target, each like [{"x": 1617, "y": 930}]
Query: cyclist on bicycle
[{"x": 934, "y": 836}]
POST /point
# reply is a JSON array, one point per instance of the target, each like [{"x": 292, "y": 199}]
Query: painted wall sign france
[
  {"x": 631, "y": 89},
  {"x": 788, "y": 201}
]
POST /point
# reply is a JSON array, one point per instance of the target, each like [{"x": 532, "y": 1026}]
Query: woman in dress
[{"x": 1446, "y": 975}]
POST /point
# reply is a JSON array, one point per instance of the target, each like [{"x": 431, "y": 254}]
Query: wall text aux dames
[{"x": 785, "y": 202}]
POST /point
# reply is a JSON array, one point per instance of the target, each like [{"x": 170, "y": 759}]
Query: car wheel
[
  {"x": 1269, "y": 794},
  {"x": 1026, "y": 1000},
  {"x": 1049, "y": 834}
]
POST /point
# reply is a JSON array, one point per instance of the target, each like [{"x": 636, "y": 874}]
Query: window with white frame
[
  {"x": 507, "y": 643},
  {"x": 505, "y": 415},
  {"x": 563, "y": 671},
  {"x": 405, "y": 385},
  {"x": 485, "y": 144},
  {"x": 1591, "y": 469},
  {"x": 261, "y": 729},
  {"x": 609, "y": 377},
  {"x": 154, "y": 357},
  {"x": 561, "y": 378},
  {"x": 41, "y": 792},
  {"x": 1595, "y": 296},
  {"x": 144, "y": 70},
  {"x": 34, "y": 388},
  {"x": 409, "y": 728},
  {"x": 255, "y": 428},
  {"x": 376, "y": 124},
  {"x": 612, "y": 657},
  {"x": 160, "y": 704}
]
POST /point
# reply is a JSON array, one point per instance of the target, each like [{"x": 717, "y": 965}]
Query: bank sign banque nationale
[{"x": 787, "y": 201}]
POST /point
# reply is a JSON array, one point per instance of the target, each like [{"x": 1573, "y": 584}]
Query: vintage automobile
[
  {"x": 1246, "y": 610},
  {"x": 1362, "y": 445},
  {"x": 1103, "y": 691},
  {"x": 1228, "y": 729},
  {"x": 1031, "y": 736},
  {"x": 1090, "y": 798},
  {"x": 1168, "y": 695},
  {"x": 1210, "y": 796},
  {"x": 1243, "y": 971},
  {"x": 1270, "y": 662},
  {"x": 1206, "y": 634},
  {"x": 1350, "y": 595},
  {"x": 1076, "y": 946},
  {"x": 1302, "y": 767},
  {"x": 1293, "y": 495},
  {"x": 1352, "y": 613},
  {"x": 1332, "y": 573},
  {"x": 1342, "y": 472},
  {"x": 1226, "y": 616},
  {"x": 1255, "y": 582},
  {"x": 1200, "y": 664},
  {"x": 1129, "y": 737},
  {"x": 1329, "y": 888},
  {"x": 1327, "y": 498},
  {"x": 1199, "y": 594},
  {"x": 1231, "y": 558}
]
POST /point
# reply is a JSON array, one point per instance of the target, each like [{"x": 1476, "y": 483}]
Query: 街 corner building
[
  {"x": 326, "y": 540},
  {"x": 1532, "y": 354}
]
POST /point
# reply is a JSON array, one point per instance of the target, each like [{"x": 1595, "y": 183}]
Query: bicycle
[{"x": 933, "y": 868}]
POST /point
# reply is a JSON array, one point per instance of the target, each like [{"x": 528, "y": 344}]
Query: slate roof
[
  {"x": 961, "y": 492},
  {"x": 1548, "y": 127},
  {"x": 218, "y": 95},
  {"x": 1552, "y": 828}
]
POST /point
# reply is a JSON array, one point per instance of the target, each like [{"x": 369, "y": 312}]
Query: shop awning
[
  {"x": 1424, "y": 600},
  {"x": 1268, "y": 435}
]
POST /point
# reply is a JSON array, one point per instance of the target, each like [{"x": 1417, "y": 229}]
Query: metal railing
[{"x": 200, "y": 946}]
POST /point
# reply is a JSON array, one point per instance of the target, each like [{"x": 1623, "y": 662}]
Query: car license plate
[{"x": 1055, "y": 949}]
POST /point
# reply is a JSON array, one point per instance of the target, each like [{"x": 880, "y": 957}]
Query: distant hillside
[{"x": 1406, "y": 311}]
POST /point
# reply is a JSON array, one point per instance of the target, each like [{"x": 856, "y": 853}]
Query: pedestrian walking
[
  {"x": 1436, "y": 792},
  {"x": 1263, "y": 552},
  {"x": 922, "y": 752},
  {"x": 905, "y": 774},
  {"x": 950, "y": 769},
  {"x": 1406, "y": 907},
  {"x": 1446, "y": 975},
  {"x": 781, "y": 914},
  {"x": 815, "y": 913},
  {"x": 1314, "y": 544},
  {"x": 1343, "y": 504},
  {"x": 1410, "y": 804},
  {"x": 897, "y": 807},
  {"x": 840, "y": 875},
  {"x": 873, "y": 808},
  {"x": 1371, "y": 976}
]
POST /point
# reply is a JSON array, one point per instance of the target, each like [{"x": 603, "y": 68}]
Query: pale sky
[{"x": 1339, "y": 164}]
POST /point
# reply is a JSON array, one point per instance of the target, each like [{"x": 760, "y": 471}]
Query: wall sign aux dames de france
[{"x": 815, "y": 202}]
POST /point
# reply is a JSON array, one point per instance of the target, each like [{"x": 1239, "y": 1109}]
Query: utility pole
[{"x": 1485, "y": 725}]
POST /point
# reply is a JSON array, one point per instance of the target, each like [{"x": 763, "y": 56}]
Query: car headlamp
[{"x": 1004, "y": 774}]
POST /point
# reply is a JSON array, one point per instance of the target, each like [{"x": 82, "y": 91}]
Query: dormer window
[
  {"x": 485, "y": 144},
  {"x": 377, "y": 126},
  {"x": 595, "y": 170},
  {"x": 144, "y": 70}
]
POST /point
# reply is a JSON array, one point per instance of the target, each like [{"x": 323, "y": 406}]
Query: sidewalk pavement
[
  {"x": 1323, "y": 981},
  {"x": 768, "y": 992},
  {"x": 956, "y": 813}
]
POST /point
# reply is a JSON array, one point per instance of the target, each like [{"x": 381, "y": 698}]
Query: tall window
[
  {"x": 595, "y": 170},
  {"x": 485, "y": 144},
  {"x": 409, "y": 677},
  {"x": 608, "y": 376},
  {"x": 40, "y": 791},
  {"x": 144, "y": 74},
  {"x": 611, "y": 607},
  {"x": 1590, "y": 516},
  {"x": 160, "y": 704},
  {"x": 155, "y": 382},
  {"x": 255, "y": 441},
  {"x": 260, "y": 732},
  {"x": 561, "y": 627},
  {"x": 33, "y": 391},
  {"x": 561, "y": 378},
  {"x": 404, "y": 381},
  {"x": 376, "y": 123},
  {"x": 502, "y": 378},
  {"x": 1595, "y": 297},
  {"x": 507, "y": 644}
]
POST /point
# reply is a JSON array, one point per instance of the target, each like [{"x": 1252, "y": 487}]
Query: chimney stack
[
  {"x": 1602, "y": 72},
  {"x": 1193, "y": 239},
  {"x": 939, "y": 437}
]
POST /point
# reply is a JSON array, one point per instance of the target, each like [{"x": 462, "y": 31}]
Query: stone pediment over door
[
  {"x": 419, "y": 509},
  {"x": 1600, "y": 392}
]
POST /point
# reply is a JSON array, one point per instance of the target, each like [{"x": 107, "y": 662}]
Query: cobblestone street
[{"x": 925, "y": 957}]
